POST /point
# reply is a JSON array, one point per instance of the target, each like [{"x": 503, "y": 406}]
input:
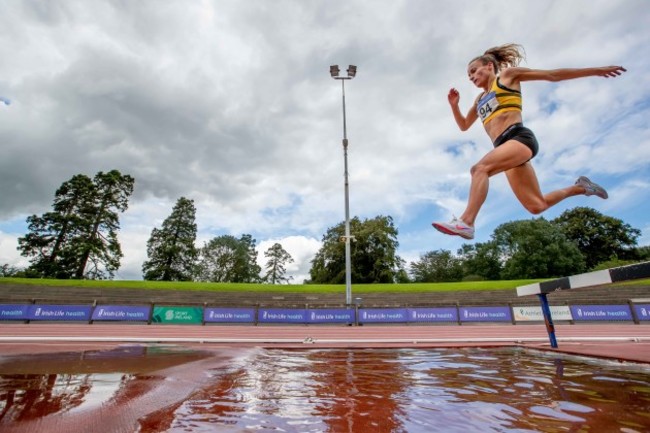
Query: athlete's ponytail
[{"x": 503, "y": 56}]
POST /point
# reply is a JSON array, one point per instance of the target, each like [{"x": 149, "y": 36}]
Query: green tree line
[
  {"x": 579, "y": 240},
  {"x": 78, "y": 239}
]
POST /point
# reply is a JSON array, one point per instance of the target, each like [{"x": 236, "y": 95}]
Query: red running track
[{"x": 626, "y": 342}]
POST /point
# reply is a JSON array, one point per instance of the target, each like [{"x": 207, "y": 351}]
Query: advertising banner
[
  {"x": 229, "y": 315},
  {"x": 601, "y": 312},
  {"x": 383, "y": 315},
  {"x": 14, "y": 311},
  {"x": 331, "y": 315},
  {"x": 59, "y": 312},
  {"x": 177, "y": 315},
  {"x": 122, "y": 313},
  {"x": 531, "y": 314},
  {"x": 485, "y": 314},
  {"x": 282, "y": 315},
  {"x": 642, "y": 311},
  {"x": 439, "y": 314}
]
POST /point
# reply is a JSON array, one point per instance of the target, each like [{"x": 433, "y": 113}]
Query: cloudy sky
[{"x": 230, "y": 103}]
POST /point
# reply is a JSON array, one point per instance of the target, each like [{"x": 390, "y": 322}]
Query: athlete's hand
[
  {"x": 453, "y": 97},
  {"x": 611, "y": 71}
]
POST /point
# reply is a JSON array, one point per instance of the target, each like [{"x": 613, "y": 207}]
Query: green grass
[
  {"x": 294, "y": 288},
  {"x": 641, "y": 282},
  {"x": 300, "y": 288}
]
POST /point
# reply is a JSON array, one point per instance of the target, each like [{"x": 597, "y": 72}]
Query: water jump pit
[{"x": 203, "y": 388}]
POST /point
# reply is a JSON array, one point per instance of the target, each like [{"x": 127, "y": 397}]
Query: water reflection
[
  {"x": 72, "y": 391},
  {"x": 338, "y": 391},
  {"x": 34, "y": 396},
  {"x": 421, "y": 391}
]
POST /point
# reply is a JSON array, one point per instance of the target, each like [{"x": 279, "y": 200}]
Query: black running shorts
[{"x": 518, "y": 132}]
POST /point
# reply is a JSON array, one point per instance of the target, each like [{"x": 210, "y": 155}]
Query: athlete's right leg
[{"x": 524, "y": 184}]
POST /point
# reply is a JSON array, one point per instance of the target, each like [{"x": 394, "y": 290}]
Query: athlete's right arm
[{"x": 463, "y": 122}]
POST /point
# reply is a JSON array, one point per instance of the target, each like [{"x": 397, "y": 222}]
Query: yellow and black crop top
[{"x": 498, "y": 100}]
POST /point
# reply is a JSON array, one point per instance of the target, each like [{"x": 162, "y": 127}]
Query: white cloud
[
  {"x": 230, "y": 103},
  {"x": 302, "y": 250},
  {"x": 8, "y": 253}
]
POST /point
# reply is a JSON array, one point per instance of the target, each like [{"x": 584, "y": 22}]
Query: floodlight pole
[
  {"x": 334, "y": 70},
  {"x": 348, "y": 260}
]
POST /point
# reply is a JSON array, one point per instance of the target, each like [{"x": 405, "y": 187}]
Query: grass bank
[{"x": 293, "y": 288}]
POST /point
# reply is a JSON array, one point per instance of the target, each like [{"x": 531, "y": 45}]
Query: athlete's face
[{"x": 479, "y": 73}]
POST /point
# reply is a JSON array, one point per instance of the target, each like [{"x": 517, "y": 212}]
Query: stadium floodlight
[{"x": 352, "y": 72}]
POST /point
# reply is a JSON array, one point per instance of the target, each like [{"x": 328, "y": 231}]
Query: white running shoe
[
  {"x": 591, "y": 188},
  {"x": 455, "y": 227}
]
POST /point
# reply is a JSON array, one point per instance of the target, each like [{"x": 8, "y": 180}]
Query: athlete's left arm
[{"x": 518, "y": 74}]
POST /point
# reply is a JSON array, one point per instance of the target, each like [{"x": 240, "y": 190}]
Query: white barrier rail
[{"x": 596, "y": 278}]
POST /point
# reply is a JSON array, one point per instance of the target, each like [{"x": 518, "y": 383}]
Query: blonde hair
[{"x": 503, "y": 56}]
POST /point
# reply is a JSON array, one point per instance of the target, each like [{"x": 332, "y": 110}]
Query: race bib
[{"x": 487, "y": 105}]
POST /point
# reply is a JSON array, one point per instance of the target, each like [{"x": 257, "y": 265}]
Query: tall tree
[
  {"x": 599, "y": 237},
  {"x": 277, "y": 257},
  {"x": 80, "y": 230},
  {"x": 437, "y": 266},
  {"x": 373, "y": 253},
  {"x": 536, "y": 248},
  {"x": 98, "y": 245},
  {"x": 171, "y": 249},
  {"x": 50, "y": 235},
  {"x": 229, "y": 260}
]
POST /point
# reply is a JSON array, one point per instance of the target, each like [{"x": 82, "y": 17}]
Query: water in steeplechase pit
[{"x": 154, "y": 388}]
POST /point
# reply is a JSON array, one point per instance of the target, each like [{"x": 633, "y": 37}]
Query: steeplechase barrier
[{"x": 589, "y": 279}]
